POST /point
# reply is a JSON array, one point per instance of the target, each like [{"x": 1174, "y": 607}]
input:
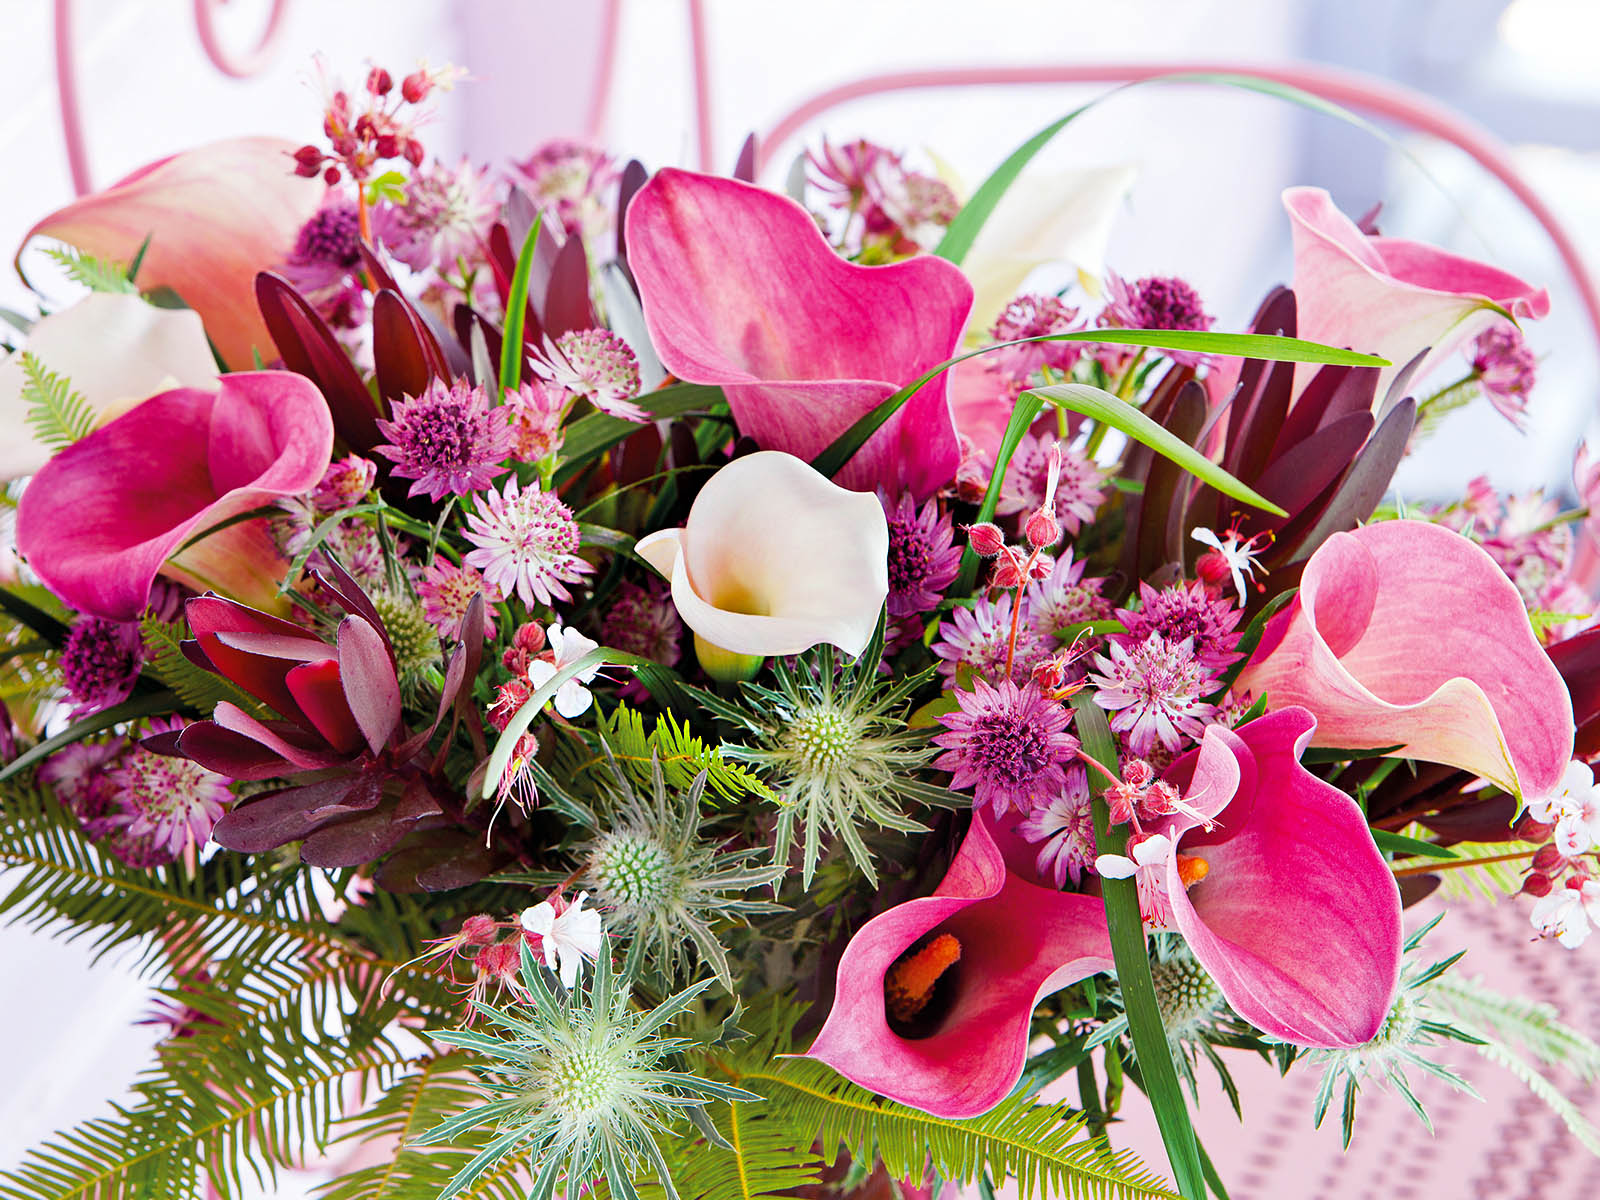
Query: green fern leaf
[
  {"x": 58, "y": 415},
  {"x": 96, "y": 274},
  {"x": 1528, "y": 1024},
  {"x": 763, "y": 1158},
  {"x": 681, "y": 754},
  {"x": 198, "y": 688}
]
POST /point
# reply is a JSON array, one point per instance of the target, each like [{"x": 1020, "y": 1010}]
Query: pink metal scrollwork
[{"x": 230, "y": 63}]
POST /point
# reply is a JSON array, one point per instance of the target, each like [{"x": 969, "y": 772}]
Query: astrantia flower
[
  {"x": 1079, "y": 490},
  {"x": 535, "y": 410},
  {"x": 579, "y": 1085},
  {"x": 574, "y": 180},
  {"x": 1153, "y": 692},
  {"x": 527, "y": 542},
  {"x": 595, "y": 364},
  {"x": 447, "y": 215},
  {"x": 842, "y": 171},
  {"x": 344, "y": 483},
  {"x": 662, "y": 882},
  {"x": 1155, "y": 302},
  {"x": 566, "y": 933},
  {"x": 1505, "y": 368},
  {"x": 327, "y": 248},
  {"x": 1008, "y": 744},
  {"x": 1064, "y": 598},
  {"x": 643, "y": 621},
  {"x": 923, "y": 557},
  {"x": 1034, "y": 315},
  {"x": 445, "y": 591},
  {"x": 1182, "y": 611},
  {"x": 80, "y": 777},
  {"x": 1063, "y": 829},
  {"x": 447, "y": 439},
  {"x": 976, "y": 638},
  {"x": 100, "y": 661},
  {"x": 168, "y": 800}
]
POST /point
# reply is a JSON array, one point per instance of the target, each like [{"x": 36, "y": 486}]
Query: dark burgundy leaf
[
  {"x": 745, "y": 167},
  {"x": 354, "y": 842},
  {"x": 229, "y": 753},
  {"x": 634, "y": 177},
  {"x": 404, "y": 351},
  {"x": 268, "y": 821},
  {"x": 1366, "y": 481},
  {"x": 1296, "y": 478},
  {"x": 309, "y": 348},
  {"x": 566, "y": 296},
  {"x": 1161, "y": 485}
]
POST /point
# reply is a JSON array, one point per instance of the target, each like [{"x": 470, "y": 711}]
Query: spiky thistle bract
[{"x": 579, "y": 1084}]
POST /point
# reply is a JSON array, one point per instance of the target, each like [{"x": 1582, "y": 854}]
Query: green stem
[
  {"x": 1128, "y": 949},
  {"x": 1123, "y": 391}
]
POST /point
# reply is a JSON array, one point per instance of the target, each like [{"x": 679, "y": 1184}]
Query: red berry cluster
[{"x": 379, "y": 123}]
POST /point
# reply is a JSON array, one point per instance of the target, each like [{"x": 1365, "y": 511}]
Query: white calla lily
[
  {"x": 775, "y": 559},
  {"x": 115, "y": 350}
]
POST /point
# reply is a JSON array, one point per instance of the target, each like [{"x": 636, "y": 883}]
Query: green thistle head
[
  {"x": 1188, "y": 997},
  {"x": 415, "y": 641},
  {"x": 577, "y": 1084}
]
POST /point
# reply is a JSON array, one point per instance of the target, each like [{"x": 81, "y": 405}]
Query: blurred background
[{"x": 1211, "y": 162}]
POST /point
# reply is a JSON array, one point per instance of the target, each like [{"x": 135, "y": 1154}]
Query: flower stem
[{"x": 1456, "y": 864}]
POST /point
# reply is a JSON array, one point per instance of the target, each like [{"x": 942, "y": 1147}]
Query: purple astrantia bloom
[
  {"x": 448, "y": 440},
  {"x": 345, "y": 483},
  {"x": 1080, "y": 488},
  {"x": 957, "y": 1038},
  {"x": 1064, "y": 598},
  {"x": 1008, "y": 744},
  {"x": 527, "y": 543},
  {"x": 535, "y": 411},
  {"x": 1063, "y": 830},
  {"x": 79, "y": 774},
  {"x": 923, "y": 556},
  {"x": 1156, "y": 302},
  {"x": 644, "y": 621},
  {"x": 100, "y": 661},
  {"x": 168, "y": 801},
  {"x": 1506, "y": 369},
  {"x": 976, "y": 638},
  {"x": 741, "y": 289},
  {"x": 446, "y": 217},
  {"x": 1153, "y": 690},
  {"x": 597, "y": 365},
  {"x": 1033, "y": 315},
  {"x": 1184, "y": 610},
  {"x": 446, "y": 591}
]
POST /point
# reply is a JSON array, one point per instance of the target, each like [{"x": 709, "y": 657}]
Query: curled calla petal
[
  {"x": 776, "y": 559},
  {"x": 215, "y": 215},
  {"x": 741, "y": 289},
  {"x": 1018, "y": 943},
  {"x": 1388, "y": 296},
  {"x": 115, "y": 351},
  {"x": 108, "y": 513},
  {"x": 1406, "y": 633},
  {"x": 1297, "y": 916}
]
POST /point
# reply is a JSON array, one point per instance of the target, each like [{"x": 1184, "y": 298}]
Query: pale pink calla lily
[
  {"x": 1388, "y": 296},
  {"x": 776, "y": 559},
  {"x": 107, "y": 514},
  {"x": 114, "y": 351},
  {"x": 1406, "y": 633},
  {"x": 215, "y": 216},
  {"x": 1019, "y": 942},
  {"x": 1297, "y": 917},
  {"x": 741, "y": 289}
]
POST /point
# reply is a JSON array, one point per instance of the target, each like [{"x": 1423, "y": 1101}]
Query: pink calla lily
[
  {"x": 215, "y": 216},
  {"x": 1018, "y": 943},
  {"x": 741, "y": 289},
  {"x": 1388, "y": 296},
  {"x": 109, "y": 513},
  {"x": 1297, "y": 917},
  {"x": 1406, "y": 633}
]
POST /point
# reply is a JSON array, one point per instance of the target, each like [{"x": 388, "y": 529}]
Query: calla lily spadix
[
  {"x": 114, "y": 350},
  {"x": 1406, "y": 633},
  {"x": 109, "y": 513},
  {"x": 1388, "y": 296},
  {"x": 775, "y": 559}
]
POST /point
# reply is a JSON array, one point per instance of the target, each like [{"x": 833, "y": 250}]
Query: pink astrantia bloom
[
  {"x": 775, "y": 559},
  {"x": 167, "y": 800},
  {"x": 1064, "y": 598},
  {"x": 575, "y": 181},
  {"x": 1033, "y": 315},
  {"x": 1155, "y": 302},
  {"x": 448, "y": 440},
  {"x": 345, "y": 483},
  {"x": 446, "y": 217},
  {"x": 213, "y": 217},
  {"x": 1506, "y": 370},
  {"x": 597, "y": 365},
  {"x": 977, "y": 637},
  {"x": 79, "y": 774},
  {"x": 643, "y": 621},
  {"x": 1388, "y": 296},
  {"x": 107, "y": 514},
  {"x": 923, "y": 556},
  {"x": 535, "y": 411},
  {"x": 1008, "y": 744},
  {"x": 1184, "y": 610},
  {"x": 741, "y": 289},
  {"x": 1406, "y": 633},
  {"x": 963, "y": 1051},
  {"x": 1063, "y": 831},
  {"x": 1080, "y": 488},
  {"x": 527, "y": 543},
  {"x": 446, "y": 590},
  {"x": 100, "y": 662},
  {"x": 1153, "y": 690}
]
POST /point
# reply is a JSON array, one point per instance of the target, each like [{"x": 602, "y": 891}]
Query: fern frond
[
  {"x": 763, "y": 1158},
  {"x": 96, "y": 274},
  {"x": 681, "y": 754},
  {"x": 1571, "y": 1115},
  {"x": 57, "y": 415},
  {"x": 1528, "y": 1024},
  {"x": 200, "y": 689}
]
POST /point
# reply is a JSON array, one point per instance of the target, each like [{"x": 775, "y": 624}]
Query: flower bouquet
[{"x": 573, "y": 678}]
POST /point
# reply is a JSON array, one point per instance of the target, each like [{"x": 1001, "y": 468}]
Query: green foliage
[
  {"x": 199, "y": 689},
  {"x": 681, "y": 756},
  {"x": 57, "y": 415},
  {"x": 96, "y": 274}
]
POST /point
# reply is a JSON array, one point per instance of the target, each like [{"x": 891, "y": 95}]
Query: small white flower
[
  {"x": 1565, "y": 913},
  {"x": 1148, "y": 869},
  {"x": 1239, "y": 553},
  {"x": 572, "y": 699},
  {"x": 1573, "y": 807},
  {"x": 571, "y": 936}
]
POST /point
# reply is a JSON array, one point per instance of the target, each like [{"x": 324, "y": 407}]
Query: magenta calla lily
[
  {"x": 108, "y": 514},
  {"x": 1406, "y": 633},
  {"x": 742, "y": 290},
  {"x": 1297, "y": 917},
  {"x": 215, "y": 216},
  {"x": 1019, "y": 942},
  {"x": 1388, "y": 296}
]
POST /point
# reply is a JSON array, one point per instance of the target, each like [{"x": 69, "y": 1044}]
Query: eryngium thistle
[
  {"x": 660, "y": 883},
  {"x": 579, "y": 1083}
]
